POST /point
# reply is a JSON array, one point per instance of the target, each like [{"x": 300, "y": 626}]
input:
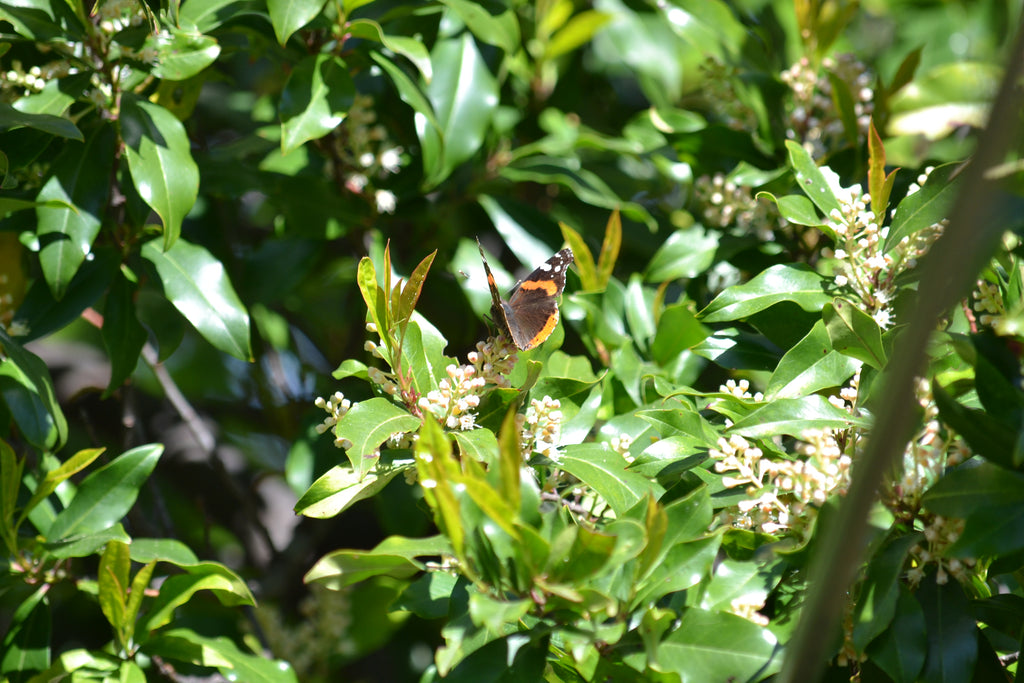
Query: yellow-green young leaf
[
  {"x": 584, "y": 258},
  {"x": 340, "y": 487},
  {"x": 412, "y": 289},
  {"x": 879, "y": 184},
  {"x": 811, "y": 179},
  {"x": 10, "y": 482},
  {"x": 578, "y": 31},
  {"x": 609, "y": 249},
  {"x": 179, "y": 589},
  {"x": 160, "y": 160},
  {"x": 76, "y": 463},
  {"x": 510, "y": 460},
  {"x": 138, "y": 592},
  {"x": 437, "y": 474},
  {"x": 112, "y": 578},
  {"x": 373, "y": 295}
]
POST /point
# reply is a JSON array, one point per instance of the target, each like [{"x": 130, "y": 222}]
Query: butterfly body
[{"x": 530, "y": 313}]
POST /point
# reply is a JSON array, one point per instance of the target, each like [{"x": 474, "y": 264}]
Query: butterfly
[{"x": 530, "y": 313}]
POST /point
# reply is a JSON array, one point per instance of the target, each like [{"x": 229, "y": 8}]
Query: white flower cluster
[
  {"x": 541, "y": 427},
  {"x": 814, "y": 120},
  {"x": 725, "y": 204},
  {"x": 740, "y": 389}
]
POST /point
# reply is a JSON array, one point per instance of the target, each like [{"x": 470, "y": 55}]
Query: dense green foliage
[{"x": 778, "y": 426}]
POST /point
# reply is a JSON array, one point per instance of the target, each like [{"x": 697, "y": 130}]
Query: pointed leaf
[
  {"x": 106, "y": 495},
  {"x": 288, "y": 16},
  {"x": 198, "y": 286},
  {"x": 795, "y": 283},
  {"x": 160, "y": 160},
  {"x": 315, "y": 100}
]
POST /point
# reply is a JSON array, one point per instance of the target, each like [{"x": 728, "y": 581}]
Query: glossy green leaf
[
  {"x": 929, "y": 205},
  {"x": 464, "y": 94},
  {"x": 991, "y": 531},
  {"x": 182, "y": 54},
  {"x": 80, "y": 181},
  {"x": 47, "y": 123},
  {"x": 106, "y": 495},
  {"x": 184, "y": 645},
  {"x": 718, "y": 646},
  {"x": 605, "y": 471},
  {"x": 678, "y": 330},
  {"x": 410, "y": 48},
  {"x": 177, "y": 590},
  {"x": 682, "y": 567},
  {"x": 811, "y": 179},
  {"x": 210, "y": 14},
  {"x": 85, "y": 545},
  {"x": 394, "y": 556},
  {"x": 428, "y": 128},
  {"x": 957, "y": 493},
  {"x": 315, "y": 100},
  {"x": 43, "y": 21},
  {"x": 795, "y": 208},
  {"x": 501, "y": 30},
  {"x": 782, "y": 282},
  {"x": 368, "y": 425},
  {"x": 794, "y": 416},
  {"x": 56, "y": 96},
  {"x": 198, "y": 286},
  {"x": 810, "y": 366},
  {"x": 685, "y": 254},
  {"x": 160, "y": 160},
  {"x": 854, "y": 333},
  {"x": 288, "y": 16},
  {"x": 162, "y": 549},
  {"x": 340, "y": 487},
  {"x": 28, "y": 392}
]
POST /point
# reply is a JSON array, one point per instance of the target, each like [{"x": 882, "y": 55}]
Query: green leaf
[
  {"x": 86, "y": 544},
  {"x": 220, "y": 653},
  {"x": 368, "y": 425},
  {"x": 177, "y": 590},
  {"x": 958, "y": 492},
  {"x": 880, "y": 593},
  {"x": 47, "y": 123},
  {"x": 123, "y": 334},
  {"x": 394, "y": 556},
  {"x": 26, "y": 644},
  {"x": 181, "y": 54},
  {"x": 795, "y": 209},
  {"x": 991, "y": 531},
  {"x": 288, "y": 16},
  {"x": 794, "y": 416},
  {"x": 410, "y": 48},
  {"x": 685, "y": 254},
  {"x": 605, "y": 471},
  {"x": 27, "y": 390},
  {"x": 160, "y": 161},
  {"x": 464, "y": 94},
  {"x": 112, "y": 579},
  {"x": 945, "y": 98},
  {"x": 986, "y": 435},
  {"x": 198, "y": 286},
  {"x": 500, "y": 30},
  {"x": 315, "y": 100},
  {"x": 810, "y": 366},
  {"x": 929, "y": 205},
  {"x": 900, "y": 651},
  {"x": 163, "y": 549},
  {"x": 81, "y": 182},
  {"x": 578, "y": 31},
  {"x": 716, "y": 646},
  {"x": 678, "y": 330},
  {"x": 796, "y": 283},
  {"x": 341, "y": 487},
  {"x": 952, "y": 632},
  {"x": 811, "y": 179},
  {"x": 106, "y": 495},
  {"x": 854, "y": 333}
]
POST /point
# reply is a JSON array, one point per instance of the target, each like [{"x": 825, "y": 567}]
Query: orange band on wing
[
  {"x": 545, "y": 332},
  {"x": 549, "y": 286}
]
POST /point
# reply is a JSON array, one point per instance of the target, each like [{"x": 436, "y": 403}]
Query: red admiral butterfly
[{"x": 530, "y": 314}]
